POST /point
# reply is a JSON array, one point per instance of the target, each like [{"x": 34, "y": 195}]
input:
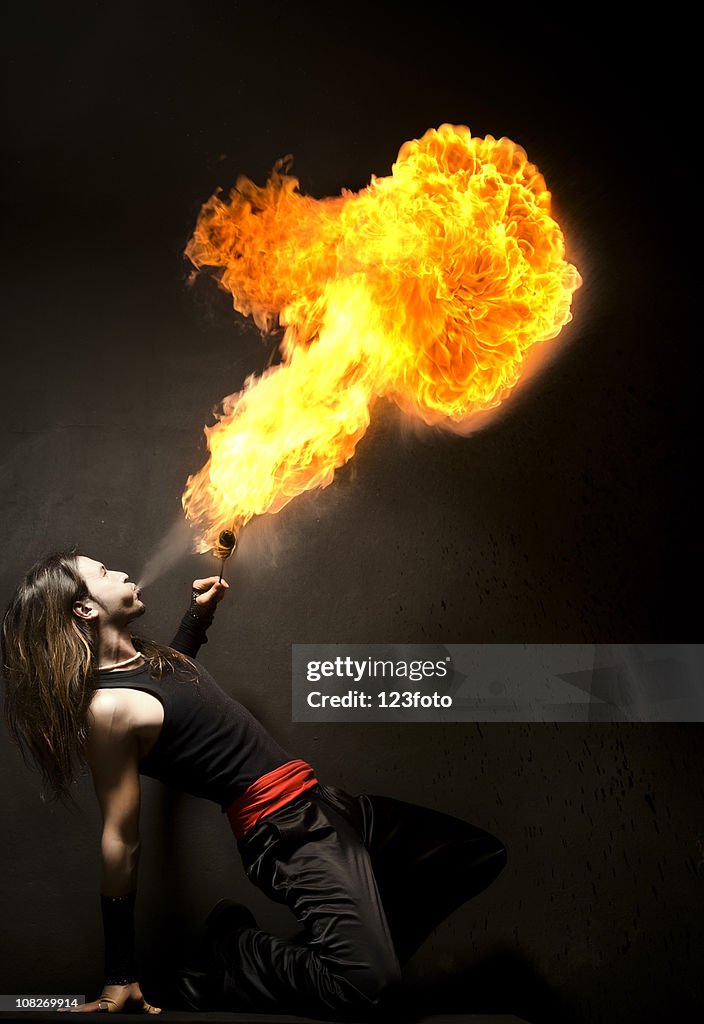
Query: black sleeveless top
[{"x": 210, "y": 745}]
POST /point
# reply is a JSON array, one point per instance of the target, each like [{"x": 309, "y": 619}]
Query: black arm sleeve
[
  {"x": 118, "y": 931},
  {"x": 191, "y": 633}
]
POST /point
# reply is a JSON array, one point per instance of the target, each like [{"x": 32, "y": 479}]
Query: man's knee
[
  {"x": 386, "y": 977},
  {"x": 378, "y": 980}
]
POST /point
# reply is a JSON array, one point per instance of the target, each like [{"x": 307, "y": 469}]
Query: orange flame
[{"x": 428, "y": 287}]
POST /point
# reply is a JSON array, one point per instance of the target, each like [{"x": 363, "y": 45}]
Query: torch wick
[{"x": 227, "y": 543}]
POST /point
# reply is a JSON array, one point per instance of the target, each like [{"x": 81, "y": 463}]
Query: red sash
[{"x": 268, "y": 793}]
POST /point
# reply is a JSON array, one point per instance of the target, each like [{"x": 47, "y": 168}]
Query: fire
[{"x": 427, "y": 288}]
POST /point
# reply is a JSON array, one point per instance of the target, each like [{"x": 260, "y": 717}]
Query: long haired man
[{"x": 367, "y": 877}]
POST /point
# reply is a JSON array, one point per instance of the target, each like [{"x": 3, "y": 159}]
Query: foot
[
  {"x": 227, "y": 915},
  {"x": 200, "y": 983},
  {"x": 222, "y": 927},
  {"x": 198, "y": 990}
]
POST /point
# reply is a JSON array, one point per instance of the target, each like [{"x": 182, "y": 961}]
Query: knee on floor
[{"x": 377, "y": 981}]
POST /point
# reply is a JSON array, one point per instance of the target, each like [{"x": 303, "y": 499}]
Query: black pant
[{"x": 368, "y": 878}]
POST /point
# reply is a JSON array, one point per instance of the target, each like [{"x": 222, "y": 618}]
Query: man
[{"x": 367, "y": 877}]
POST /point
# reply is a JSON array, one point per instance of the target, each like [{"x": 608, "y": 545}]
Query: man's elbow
[{"x": 120, "y": 850}]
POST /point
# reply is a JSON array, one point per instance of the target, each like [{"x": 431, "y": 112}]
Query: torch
[{"x": 227, "y": 542}]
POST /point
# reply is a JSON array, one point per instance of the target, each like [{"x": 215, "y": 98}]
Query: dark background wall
[{"x": 570, "y": 519}]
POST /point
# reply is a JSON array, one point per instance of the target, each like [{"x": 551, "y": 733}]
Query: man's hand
[
  {"x": 210, "y": 591},
  {"x": 117, "y": 999}
]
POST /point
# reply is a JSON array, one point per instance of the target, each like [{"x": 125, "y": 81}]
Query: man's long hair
[{"x": 50, "y": 668}]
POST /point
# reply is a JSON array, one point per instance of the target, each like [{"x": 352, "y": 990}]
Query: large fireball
[{"x": 428, "y": 288}]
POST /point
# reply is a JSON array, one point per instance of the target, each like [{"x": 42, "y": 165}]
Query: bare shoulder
[
  {"x": 110, "y": 724},
  {"x": 107, "y": 711}
]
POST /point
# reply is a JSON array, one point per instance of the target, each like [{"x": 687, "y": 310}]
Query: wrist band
[
  {"x": 118, "y": 932},
  {"x": 203, "y": 616}
]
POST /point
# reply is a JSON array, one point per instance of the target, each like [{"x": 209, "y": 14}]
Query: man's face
[{"x": 115, "y": 599}]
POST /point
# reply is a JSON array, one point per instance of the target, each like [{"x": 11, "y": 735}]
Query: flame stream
[{"x": 428, "y": 287}]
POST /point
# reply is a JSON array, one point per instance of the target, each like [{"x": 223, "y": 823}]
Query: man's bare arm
[{"x": 113, "y": 757}]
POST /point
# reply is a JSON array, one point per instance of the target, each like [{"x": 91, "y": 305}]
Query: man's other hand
[{"x": 117, "y": 999}]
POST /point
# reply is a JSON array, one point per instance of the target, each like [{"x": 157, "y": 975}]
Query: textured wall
[{"x": 568, "y": 520}]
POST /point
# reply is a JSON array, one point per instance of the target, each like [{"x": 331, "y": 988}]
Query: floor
[{"x": 181, "y": 1017}]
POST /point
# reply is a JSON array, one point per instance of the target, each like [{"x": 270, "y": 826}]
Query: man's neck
[{"x": 115, "y": 647}]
